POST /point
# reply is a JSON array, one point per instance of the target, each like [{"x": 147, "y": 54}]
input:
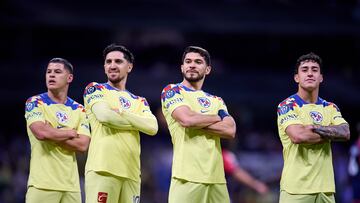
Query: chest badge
[
  {"x": 316, "y": 116},
  {"x": 125, "y": 103},
  {"x": 204, "y": 102},
  {"x": 62, "y": 117}
]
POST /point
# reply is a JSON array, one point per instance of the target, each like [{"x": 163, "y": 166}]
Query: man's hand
[{"x": 335, "y": 132}]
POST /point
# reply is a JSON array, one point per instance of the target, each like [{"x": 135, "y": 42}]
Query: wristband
[{"x": 222, "y": 113}]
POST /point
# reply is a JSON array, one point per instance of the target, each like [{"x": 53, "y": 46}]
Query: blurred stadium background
[{"x": 254, "y": 45}]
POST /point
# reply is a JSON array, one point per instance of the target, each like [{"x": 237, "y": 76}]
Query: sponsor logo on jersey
[
  {"x": 204, "y": 102},
  {"x": 288, "y": 117},
  {"x": 33, "y": 114},
  {"x": 62, "y": 117},
  {"x": 96, "y": 96},
  {"x": 336, "y": 117},
  {"x": 85, "y": 126},
  {"x": 174, "y": 101},
  {"x": 60, "y": 126},
  {"x": 102, "y": 197},
  {"x": 125, "y": 103},
  {"x": 316, "y": 116},
  {"x": 136, "y": 199}
]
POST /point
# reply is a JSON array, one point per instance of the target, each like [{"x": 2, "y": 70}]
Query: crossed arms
[
  {"x": 66, "y": 138},
  {"x": 311, "y": 134},
  {"x": 212, "y": 124},
  {"x": 123, "y": 120}
]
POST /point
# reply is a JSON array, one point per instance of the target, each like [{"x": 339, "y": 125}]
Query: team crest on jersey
[
  {"x": 62, "y": 117},
  {"x": 204, "y": 102},
  {"x": 125, "y": 103},
  {"x": 316, "y": 116},
  {"x": 30, "y": 106},
  {"x": 136, "y": 199}
]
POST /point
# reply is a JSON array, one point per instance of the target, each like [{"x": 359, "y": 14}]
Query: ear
[
  {"x": 70, "y": 78},
  {"x": 296, "y": 78},
  {"x": 130, "y": 67},
  {"x": 321, "y": 78},
  {"x": 182, "y": 68},
  {"x": 207, "y": 70}
]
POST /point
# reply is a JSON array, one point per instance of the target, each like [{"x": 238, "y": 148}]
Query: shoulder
[
  {"x": 171, "y": 87},
  {"x": 92, "y": 87},
  {"x": 328, "y": 104},
  {"x": 170, "y": 90},
  {"x": 139, "y": 98},
  {"x": 34, "y": 98},
  {"x": 75, "y": 105},
  {"x": 287, "y": 105},
  {"x": 33, "y": 102},
  {"x": 214, "y": 97}
]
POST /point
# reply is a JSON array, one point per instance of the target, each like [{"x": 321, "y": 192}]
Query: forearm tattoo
[{"x": 336, "y": 132}]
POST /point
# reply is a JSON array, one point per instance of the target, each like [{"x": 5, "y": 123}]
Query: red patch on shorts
[{"x": 102, "y": 197}]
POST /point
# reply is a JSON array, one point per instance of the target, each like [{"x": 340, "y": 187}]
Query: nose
[
  {"x": 113, "y": 65},
  {"x": 192, "y": 65},
  {"x": 51, "y": 75}
]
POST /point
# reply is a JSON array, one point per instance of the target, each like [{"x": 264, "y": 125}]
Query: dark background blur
[{"x": 253, "y": 44}]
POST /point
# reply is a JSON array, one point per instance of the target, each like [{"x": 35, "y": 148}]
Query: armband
[{"x": 222, "y": 113}]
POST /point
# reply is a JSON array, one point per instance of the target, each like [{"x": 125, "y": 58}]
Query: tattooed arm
[{"x": 335, "y": 132}]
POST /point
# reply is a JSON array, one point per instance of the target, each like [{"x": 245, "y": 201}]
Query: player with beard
[
  {"x": 196, "y": 120},
  {"x": 116, "y": 116}
]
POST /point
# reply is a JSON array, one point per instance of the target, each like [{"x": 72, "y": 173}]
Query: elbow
[
  {"x": 83, "y": 147},
  {"x": 153, "y": 128},
  {"x": 296, "y": 139},
  {"x": 185, "y": 123},
  {"x": 231, "y": 133},
  {"x": 347, "y": 136},
  {"x": 40, "y": 136},
  {"x": 153, "y": 131}
]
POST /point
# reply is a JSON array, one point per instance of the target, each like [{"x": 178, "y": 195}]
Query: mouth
[
  {"x": 191, "y": 72},
  {"x": 51, "y": 82}
]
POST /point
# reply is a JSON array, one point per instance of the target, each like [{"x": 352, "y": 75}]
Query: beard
[
  {"x": 115, "y": 80},
  {"x": 193, "y": 77}
]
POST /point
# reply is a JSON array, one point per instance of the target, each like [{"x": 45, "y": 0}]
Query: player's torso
[
  {"x": 314, "y": 114},
  {"x": 61, "y": 116},
  {"x": 201, "y": 102},
  {"x": 122, "y": 99}
]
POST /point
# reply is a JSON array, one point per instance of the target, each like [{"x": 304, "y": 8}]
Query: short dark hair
[
  {"x": 308, "y": 57},
  {"x": 66, "y": 63},
  {"x": 203, "y": 52},
  {"x": 116, "y": 47}
]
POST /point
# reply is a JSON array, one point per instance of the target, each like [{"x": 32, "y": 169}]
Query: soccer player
[
  {"x": 57, "y": 127},
  {"x": 307, "y": 124},
  {"x": 116, "y": 117},
  {"x": 196, "y": 120}
]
